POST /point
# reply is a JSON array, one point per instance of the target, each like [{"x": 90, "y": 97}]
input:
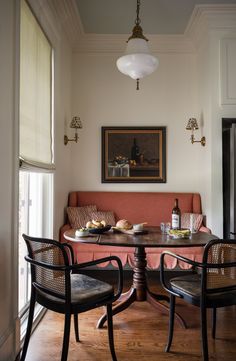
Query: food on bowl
[
  {"x": 82, "y": 232},
  {"x": 96, "y": 224},
  {"x": 124, "y": 224},
  {"x": 179, "y": 233}
]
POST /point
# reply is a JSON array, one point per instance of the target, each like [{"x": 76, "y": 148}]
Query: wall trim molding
[
  {"x": 227, "y": 72},
  {"x": 9, "y": 345},
  {"x": 113, "y": 43}
]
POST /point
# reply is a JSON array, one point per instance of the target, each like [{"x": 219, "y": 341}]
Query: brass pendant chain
[{"x": 138, "y": 21}]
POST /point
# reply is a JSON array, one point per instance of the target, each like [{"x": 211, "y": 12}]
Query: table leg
[
  {"x": 139, "y": 291},
  {"x": 154, "y": 300},
  {"x": 139, "y": 275}
]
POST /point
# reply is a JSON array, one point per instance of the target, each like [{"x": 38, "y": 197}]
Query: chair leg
[
  {"x": 29, "y": 325},
  {"x": 204, "y": 333},
  {"x": 110, "y": 331},
  {"x": 171, "y": 322},
  {"x": 76, "y": 326},
  {"x": 213, "y": 332},
  {"x": 66, "y": 337}
]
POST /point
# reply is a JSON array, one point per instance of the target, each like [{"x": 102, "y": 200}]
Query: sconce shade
[
  {"x": 192, "y": 124},
  {"x": 76, "y": 123},
  {"x": 137, "y": 61}
]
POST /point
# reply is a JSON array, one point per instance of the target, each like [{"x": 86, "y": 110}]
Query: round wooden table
[{"x": 139, "y": 290}]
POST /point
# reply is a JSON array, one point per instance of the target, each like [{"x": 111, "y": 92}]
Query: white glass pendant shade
[{"x": 137, "y": 61}]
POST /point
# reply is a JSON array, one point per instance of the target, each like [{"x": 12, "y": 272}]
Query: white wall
[
  {"x": 8, "y": 179},
  {"x": 216, "y": 72},
  {"x": 102, "y": 96},
  {"x": 62, "y": 117}
]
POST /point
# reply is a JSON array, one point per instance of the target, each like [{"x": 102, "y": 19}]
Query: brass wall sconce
[
  {"x": 75, "y": 124},
  {"x": 193, "y": 125}
]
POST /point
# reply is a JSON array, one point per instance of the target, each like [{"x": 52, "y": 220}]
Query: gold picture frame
[{"x": 133, "y": 154}]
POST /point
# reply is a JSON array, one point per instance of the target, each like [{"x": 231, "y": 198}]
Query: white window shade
[{"x": 35, "y": 94}]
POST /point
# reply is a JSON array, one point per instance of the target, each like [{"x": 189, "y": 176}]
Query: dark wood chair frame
[
  {"x": 66, "y": 307},
  {"x": 204, "y": 301}
]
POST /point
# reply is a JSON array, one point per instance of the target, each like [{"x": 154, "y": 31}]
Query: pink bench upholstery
[{"x": 136, "y": 207}]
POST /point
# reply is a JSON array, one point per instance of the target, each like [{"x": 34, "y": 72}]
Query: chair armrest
[
  {"x": 75, "y": 267},
  {"x": 162, "y": 269},
  {"x": 47, "y": 265}
]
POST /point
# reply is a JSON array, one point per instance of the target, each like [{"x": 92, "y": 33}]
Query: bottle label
[{"x": 175, "y": 221}]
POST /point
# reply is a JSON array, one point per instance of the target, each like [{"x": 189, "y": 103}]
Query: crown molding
[
  {"x": 113, "y": 43},
  {"x": 46, "y": 17},
  {"x": 203, "y": 19},
  {"x": 69, "y": 17}
]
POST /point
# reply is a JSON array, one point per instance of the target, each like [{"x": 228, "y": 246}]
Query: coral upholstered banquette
[{"x": 136, "y": 207}]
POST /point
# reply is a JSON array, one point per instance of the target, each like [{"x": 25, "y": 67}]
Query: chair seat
[
  {"x": 84, "y": 289},
  {"x": 87, "y": 289},
  {"x": 189, "y": 287}
]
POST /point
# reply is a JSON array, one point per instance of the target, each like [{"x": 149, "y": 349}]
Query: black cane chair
[
  {"x": 212, "y": 286},
  {"x": 57, "y": 287}
]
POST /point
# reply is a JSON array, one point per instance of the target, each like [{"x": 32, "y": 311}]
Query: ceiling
[{"x": 157, "y": 16}]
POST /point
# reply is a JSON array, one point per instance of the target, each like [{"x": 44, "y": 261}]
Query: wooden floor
[{"x": 140, "y": 335}]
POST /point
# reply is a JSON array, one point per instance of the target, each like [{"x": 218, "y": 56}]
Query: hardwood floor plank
[{"x": 140, "y": 334}]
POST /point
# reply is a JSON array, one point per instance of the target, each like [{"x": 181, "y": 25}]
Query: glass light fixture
[
  {"x": 193, "y": 125},
  {"x": 137, "y": 61},
  {"x": 75, "y": 124}
]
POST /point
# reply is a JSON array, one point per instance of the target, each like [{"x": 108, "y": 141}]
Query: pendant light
[{"x": 137, "y": 61}]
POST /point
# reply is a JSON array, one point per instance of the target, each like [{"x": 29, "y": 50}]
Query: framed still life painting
[{"x": 133, "y": 154}]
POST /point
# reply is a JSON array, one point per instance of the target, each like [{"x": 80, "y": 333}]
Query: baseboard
[{"x": 10, "y": 342}]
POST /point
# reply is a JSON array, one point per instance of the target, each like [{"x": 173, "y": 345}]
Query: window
[
  {"x": 36, "y": 142},
  {"x": 35, "y": 218}
]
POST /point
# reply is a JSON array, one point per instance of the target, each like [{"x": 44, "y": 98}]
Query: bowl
[
  {"x": 99, "y": 230},
  {"x": 79, "y": 233},
  {"x": 138, "y": 227}
]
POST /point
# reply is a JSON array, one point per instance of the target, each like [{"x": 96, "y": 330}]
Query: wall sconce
[
  {"x": 75, "y": 124},
  {"x": 192, "y": 125}
]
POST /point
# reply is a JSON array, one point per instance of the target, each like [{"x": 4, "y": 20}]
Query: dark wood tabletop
[{"x": 153, "y": 238}]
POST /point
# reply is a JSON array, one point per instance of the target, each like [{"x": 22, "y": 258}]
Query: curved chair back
[
  {"x": 219, "y": 267},
  {"x": 49, "y": 266}
]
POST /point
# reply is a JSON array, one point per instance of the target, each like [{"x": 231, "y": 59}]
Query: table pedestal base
[{"x": 140, "y": 292}]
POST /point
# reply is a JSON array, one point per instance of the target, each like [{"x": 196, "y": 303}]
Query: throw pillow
[
  {"x": 197, "y": 220},
  {"x": 79, "y": 216},
  {"x": 107, "y": 216}
]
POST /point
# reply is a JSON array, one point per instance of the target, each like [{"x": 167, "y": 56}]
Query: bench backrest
[{"x": 153, "y": 207}]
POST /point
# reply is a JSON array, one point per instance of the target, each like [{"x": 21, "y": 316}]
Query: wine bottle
[
  {"x": 176, "y": 216},
  {"x": 135, "y": 151}
]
